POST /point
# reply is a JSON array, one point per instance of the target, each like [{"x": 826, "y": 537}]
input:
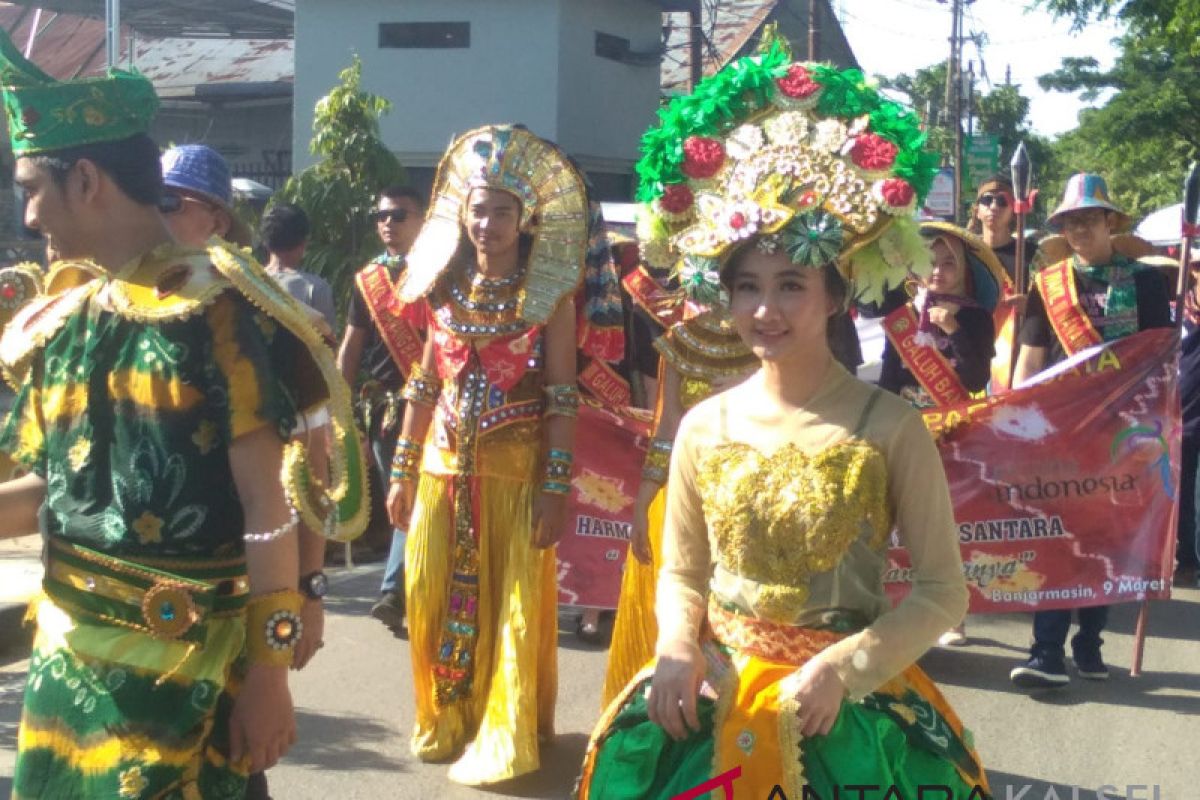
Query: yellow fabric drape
[
  {"x": 493, "y": 734},
  {"x": 636, "y": 629}
]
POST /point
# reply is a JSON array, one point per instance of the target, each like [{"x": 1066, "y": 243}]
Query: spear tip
[
  {"x": 1191, "y": 194},
  {"x": 1022, "y": 172}
]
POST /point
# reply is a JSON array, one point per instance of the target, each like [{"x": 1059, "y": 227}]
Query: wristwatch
[{"x": 314, "y": 585}]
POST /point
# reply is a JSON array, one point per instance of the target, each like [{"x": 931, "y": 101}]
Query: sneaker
[
  {"x": 1090, "y": 665},
  {"x": 955, "y": 637},
  {"x": 390, "y": 610},
  {"x": 1041, "y": 672}
]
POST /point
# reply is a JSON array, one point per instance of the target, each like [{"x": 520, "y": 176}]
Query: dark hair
[
  {"x": 399, "y": 192},
  {"x": 132, "y": 163},
  {"x": 835, "y": 285},
  {"x": 284, "y": 227}
]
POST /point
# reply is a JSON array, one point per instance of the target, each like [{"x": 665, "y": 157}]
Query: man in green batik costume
[{"x": 158, "y": 388}]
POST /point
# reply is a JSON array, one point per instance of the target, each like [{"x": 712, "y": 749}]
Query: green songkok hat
[{"x": 45, "y": 114}]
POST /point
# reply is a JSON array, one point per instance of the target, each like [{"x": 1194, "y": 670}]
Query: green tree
[
  {"x": 1146, "y": 132},
  {"x": 925, "y": 91},
  {"x": 1002, "y": 112},
  {"x": 338, "y": 192}
]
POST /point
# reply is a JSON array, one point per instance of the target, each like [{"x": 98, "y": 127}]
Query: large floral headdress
[{"x": 809, "y": 158}]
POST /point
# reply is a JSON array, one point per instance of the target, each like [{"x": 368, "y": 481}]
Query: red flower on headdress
[
  {"x": 702, "y": 157},
  {"x": 897, "y": 192},
  {"x": 30, "y": 117},
  {"x": 798, "y": 83},
  {"x": 871, "y": 151},
  {"x": 677, "y": 198}
]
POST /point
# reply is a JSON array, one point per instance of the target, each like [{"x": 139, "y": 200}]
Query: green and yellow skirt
[
  {"x": 111, "y": 711},
  {"x": 904, "y": 734}
]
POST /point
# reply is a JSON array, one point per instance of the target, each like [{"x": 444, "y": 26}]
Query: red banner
[
  {"x": 1066, "y": 492},
  {"x": 610, "y": 445}
]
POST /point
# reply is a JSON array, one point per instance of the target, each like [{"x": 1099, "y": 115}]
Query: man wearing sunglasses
[
  {"x": 382, "y": 341},
  {"x": 993, "y": 219},
  {"x": 197, "y": 198}
]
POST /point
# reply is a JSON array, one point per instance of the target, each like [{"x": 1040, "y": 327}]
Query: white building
[{"x": 583, "y": 73}]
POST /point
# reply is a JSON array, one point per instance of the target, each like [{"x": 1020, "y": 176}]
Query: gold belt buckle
[{"x": 169, "y": 610}]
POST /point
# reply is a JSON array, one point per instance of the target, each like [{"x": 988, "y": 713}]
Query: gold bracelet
[
  {"x": 422, "y": 387},
  {"x": 273, "y": 627},
  {"x": 557, "y": 476},
  {"x": 658, "y": 460},
  {"x": 562, "y": 399},
  {"x": 406, "y": 456}
]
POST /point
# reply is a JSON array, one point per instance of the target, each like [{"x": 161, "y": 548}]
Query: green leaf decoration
[
  {"x": 813, "y": 239},
  {"x": 725, "y": 100}
]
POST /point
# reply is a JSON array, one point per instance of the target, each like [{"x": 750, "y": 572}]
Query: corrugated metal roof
[
  {"x": 239, "y": 19},
  {"x": 727, "y": 26},
  {"x": 68, "y": 45}
]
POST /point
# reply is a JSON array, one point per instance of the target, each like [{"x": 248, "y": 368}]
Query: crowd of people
[{"x": 184, "y": 421}]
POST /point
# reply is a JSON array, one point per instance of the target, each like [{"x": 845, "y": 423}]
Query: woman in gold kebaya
[
  {"x": 780, "y": 663},
  {"x": 483, "y": 463}
]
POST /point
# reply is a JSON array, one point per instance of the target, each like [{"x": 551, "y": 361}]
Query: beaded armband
[
  {"x": 405, "y": 460},
  {"x": 422, "y": 387},
  {"x": 658, "y": 458},
  {"x": 273, "y": 627},
  {"x": 558, "y": 472},
  {"x": 562, "y": 399},
  {"x": 269, "y": 536}
]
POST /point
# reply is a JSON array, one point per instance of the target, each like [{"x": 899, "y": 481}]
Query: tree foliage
[
  {"x": 339, "y": 191},
  {"x": 1002, "y": 112},
  {"x": 1146, "y": 132}
]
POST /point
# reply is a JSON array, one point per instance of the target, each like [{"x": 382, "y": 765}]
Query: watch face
[{"x": 318, "y": 585}]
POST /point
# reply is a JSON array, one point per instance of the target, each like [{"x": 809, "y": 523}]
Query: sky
[{"x": 893, "y": 36}]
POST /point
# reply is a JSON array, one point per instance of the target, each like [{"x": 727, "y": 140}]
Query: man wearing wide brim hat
[
  {"x": 151, "y": 413},
  {"x": 1092, "y": 294},
  {"x": 197, "y": 200}
]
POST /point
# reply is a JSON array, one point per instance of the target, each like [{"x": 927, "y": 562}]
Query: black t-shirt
[
  {"x": 643, "y": 330},
  {"x": 969, "y": 349},
  {"x": 1153, "y": 310},
  {"x": 376, "y": 358},
  {"x": 1007, "y": 254}
]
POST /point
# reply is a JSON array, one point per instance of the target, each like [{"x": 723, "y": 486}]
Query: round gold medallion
[{"x": 168, "y": 610}]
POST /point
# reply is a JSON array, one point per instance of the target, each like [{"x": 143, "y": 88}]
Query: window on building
[
  {"x": 424, "y": 35},
  {"x": 614, "y": 48}
]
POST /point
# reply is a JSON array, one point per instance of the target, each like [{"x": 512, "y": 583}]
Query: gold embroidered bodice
[
  {"x": 779, "y": 519},
  {"x": 789, "y": 520}
]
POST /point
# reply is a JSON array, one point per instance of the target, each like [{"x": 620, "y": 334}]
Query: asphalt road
[{"x": 355, "y": 709}]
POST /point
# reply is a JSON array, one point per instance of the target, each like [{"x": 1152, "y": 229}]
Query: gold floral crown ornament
[
  {"x": 554, "y": 210},
  {"x": 810, "y": 159}
]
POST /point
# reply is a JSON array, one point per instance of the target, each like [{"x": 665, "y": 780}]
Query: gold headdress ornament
[
  {"x": 808, "y": 158},
  {"x": 554, "y": 210}
]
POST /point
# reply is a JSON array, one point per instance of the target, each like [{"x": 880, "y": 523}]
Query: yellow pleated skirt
[
  {"x": 635, "y": 628},
  {"x": 492, "y": 733}
]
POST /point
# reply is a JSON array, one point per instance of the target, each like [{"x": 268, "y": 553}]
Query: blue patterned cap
[{"x": 200, "y": 169}]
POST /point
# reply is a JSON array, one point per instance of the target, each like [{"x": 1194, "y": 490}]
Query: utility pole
[
  {"x": 112, "y": 39},
  {"x": 954, "y": 98},
  {"x": 695, "y": 40},
  {"x": 813, "y": 31},
  {"x": 969, "y": 90}
]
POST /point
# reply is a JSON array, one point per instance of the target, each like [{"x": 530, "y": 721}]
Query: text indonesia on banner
[
  {"x": 610, "y": 446},
  {"x": 1065, "y": 492}
]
